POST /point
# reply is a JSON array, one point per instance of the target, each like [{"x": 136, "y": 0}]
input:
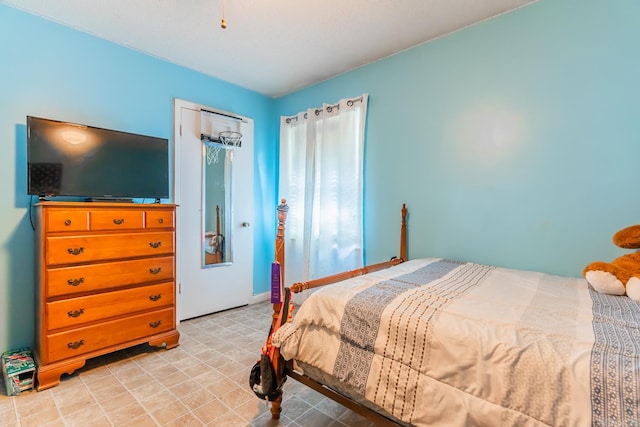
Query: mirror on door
[{"x": 217, "y": 164}]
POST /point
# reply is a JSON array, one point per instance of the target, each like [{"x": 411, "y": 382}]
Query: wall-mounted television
[{"x": 70, "y": 159}]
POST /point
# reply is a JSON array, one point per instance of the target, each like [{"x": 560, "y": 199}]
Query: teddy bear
[{"x": 622, "y": 275}]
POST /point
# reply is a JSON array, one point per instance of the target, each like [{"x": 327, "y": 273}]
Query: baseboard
[{"x": 265, "y": 296}]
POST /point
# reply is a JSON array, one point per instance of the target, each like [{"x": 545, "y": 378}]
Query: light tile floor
[{"x": 202, "y": 382}]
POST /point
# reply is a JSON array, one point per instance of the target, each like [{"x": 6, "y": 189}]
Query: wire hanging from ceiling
[{"x": 223, "y": 23}]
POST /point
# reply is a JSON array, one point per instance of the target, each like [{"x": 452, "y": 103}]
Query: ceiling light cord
[{"x": 223, "y": 23}]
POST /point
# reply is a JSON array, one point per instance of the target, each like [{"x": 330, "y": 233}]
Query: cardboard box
[{"x": 18, "y": 370}]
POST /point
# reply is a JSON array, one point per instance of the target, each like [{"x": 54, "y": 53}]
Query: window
[{"x": 321, "y": 177}]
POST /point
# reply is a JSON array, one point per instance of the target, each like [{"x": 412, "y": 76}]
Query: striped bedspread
[{"x": 439, "y": 342}]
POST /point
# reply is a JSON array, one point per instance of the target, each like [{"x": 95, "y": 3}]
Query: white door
[{"x": 204, "y": 290}]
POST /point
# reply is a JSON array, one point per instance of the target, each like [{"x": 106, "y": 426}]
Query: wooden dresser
[{"x": 105, "y": 280}]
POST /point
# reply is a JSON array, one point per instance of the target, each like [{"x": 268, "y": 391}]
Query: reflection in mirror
[{"x": 217, "y": 163}]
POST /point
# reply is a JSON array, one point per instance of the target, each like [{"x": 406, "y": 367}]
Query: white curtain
[{"x": 321, "y": 177}]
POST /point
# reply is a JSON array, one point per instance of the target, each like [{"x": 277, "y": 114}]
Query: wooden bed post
[{"x": 282, "y": 218}]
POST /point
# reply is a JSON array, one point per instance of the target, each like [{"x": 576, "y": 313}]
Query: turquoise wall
[
  {"x": 49, "y": 70},
  {"x": 514, "y": 142}
]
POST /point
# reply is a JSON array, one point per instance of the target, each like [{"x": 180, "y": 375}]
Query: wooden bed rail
[{"x": 303, "y": 286}]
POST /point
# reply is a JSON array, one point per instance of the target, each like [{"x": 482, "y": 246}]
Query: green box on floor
[{"x": 18, "y": 370}]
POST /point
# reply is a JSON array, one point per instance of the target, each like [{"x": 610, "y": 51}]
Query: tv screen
[{"x": 68, "y": 159}]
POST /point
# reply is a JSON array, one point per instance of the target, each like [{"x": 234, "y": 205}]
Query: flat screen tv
[{"x": 69, "y": 159}]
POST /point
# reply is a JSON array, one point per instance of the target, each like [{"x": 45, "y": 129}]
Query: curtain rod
[
  {"x": 240, "y": 119},
  {"x": 329, "y": 108}
]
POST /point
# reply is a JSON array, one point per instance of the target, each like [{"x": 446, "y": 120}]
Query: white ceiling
[{"x": 273, "y": 47}]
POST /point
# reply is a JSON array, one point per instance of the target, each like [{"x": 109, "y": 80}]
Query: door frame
[{"x": 178, "y": 104}]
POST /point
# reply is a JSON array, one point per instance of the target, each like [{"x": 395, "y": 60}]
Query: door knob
[{"x": 245, "y": 224}]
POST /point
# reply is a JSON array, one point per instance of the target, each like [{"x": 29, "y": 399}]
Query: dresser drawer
[
  {"x": 80, "y": 310},
  {"x": 116, "y": 219},
  {"x": 116, "y": 332},
  {"x": 159, "y": 219},
  {"x": 67, "y": 220},
  {"x": 87, "y": 248},
  {"x": 65, "y": 281}
]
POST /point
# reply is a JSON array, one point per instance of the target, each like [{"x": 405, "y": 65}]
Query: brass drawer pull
[
  {"x": 155, "y": 245},
  {"x": 155, "y": 270},
  {"x": 118, "y": 221},
  {"x": 155, "y": 324},
  {"x": 155, "y": 297},
  {"x": 75, "y": 345},
  {"x": 67, "y": 222},
  {"x": 161, "y": 220},
  {"x": 75, "y": 251},
  {"x": 75, "y": 313},
  {"x": 75, "y": 282}
]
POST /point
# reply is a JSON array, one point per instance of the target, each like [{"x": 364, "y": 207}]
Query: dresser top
[{"x": 104, "y": 204}]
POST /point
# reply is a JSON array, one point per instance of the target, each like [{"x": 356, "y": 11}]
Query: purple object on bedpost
[{"x": 276, "y": 284}]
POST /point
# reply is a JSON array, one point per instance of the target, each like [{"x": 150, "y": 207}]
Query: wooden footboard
[{"x": 301, "y": 286}]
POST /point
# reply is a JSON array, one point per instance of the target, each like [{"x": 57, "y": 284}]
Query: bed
[{"x": 444, "y": 342}]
